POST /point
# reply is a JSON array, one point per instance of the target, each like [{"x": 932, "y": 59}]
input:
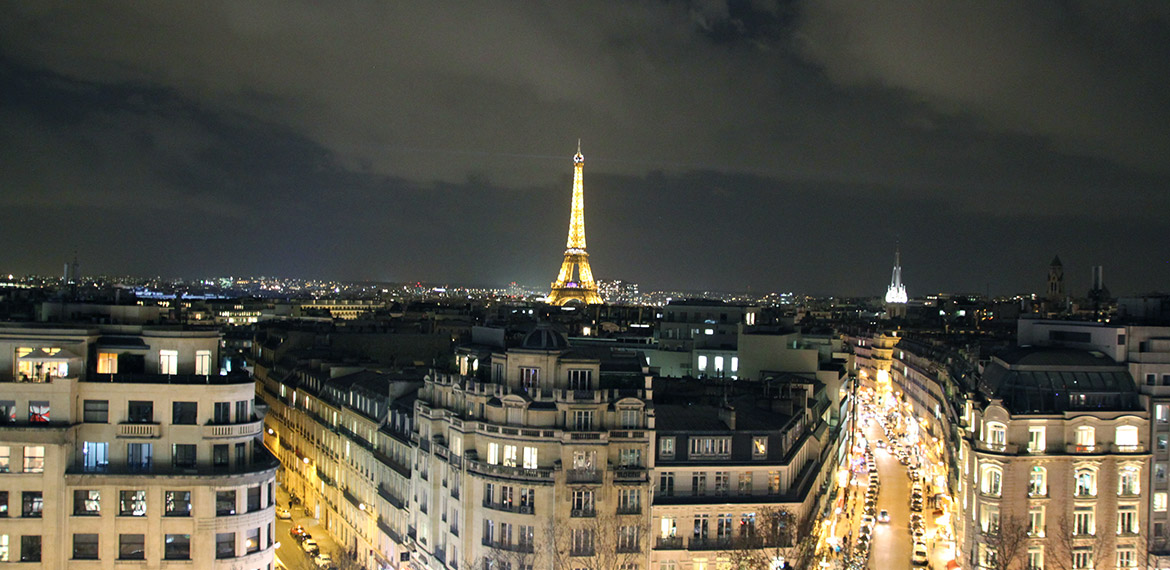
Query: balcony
[
  {"x": 1006, "y": 448},
  {"x": 1076, "y": 448},
  {"x": 139, "y": 430},
  {"x": 583, "y": 475},
  {"x": 509, "y": 507},
  {"x": 385, "y": 493},
  {"x": 223, "y": 431},
  {"x": 634, "y": 474},
  {"x": 709, "y": 543},
  {"x": 583, "y": 513},
  {"x": 629, "y": 510},
  {"x": 502, "y": 471},
  {"x": 668, "y": 543}
]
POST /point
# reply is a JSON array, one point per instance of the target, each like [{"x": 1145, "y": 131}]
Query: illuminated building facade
[
  {"x": 121, "y": 446},
  {"x": 583, "y": 289},
  {"x": 1055, "y": 459}
]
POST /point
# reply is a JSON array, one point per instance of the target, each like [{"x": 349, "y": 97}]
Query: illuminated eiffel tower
[{"x": 565, "y": 288}]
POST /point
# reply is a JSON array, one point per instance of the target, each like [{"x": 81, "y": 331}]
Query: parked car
[
  {"x": 867, "y": 521},
  {"x": 324, "y": 560},
  {"x": 883, "y": 516},
  {"x": 283, "y": 513},
  {"x": 310, "y": 547},
  {"x": 919, "y": 557},
  {"x": 296, "y": 531}
]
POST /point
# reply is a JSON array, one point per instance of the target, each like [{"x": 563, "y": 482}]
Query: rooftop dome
[
  {"x": 1049, "y": 380},
  {"x": 545, "y": 337}
]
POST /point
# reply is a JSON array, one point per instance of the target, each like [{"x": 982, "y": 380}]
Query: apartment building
[
  {"x": 539, "y": 457},
  {"x": 1055, "y": 462},
  {"x": 122, "y": 446},
  {"x": 744, "y": 474},
  {"x": 343, "y": 433}
]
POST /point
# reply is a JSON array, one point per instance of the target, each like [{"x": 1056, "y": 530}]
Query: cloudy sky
[{"x": 770, "y": 145}]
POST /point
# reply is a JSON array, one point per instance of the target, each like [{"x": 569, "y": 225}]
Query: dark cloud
[{"x": 776, "y": 145}]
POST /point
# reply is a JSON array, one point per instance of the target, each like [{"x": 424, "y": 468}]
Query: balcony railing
[
  {"x": 668, "y": 543},
  {"x": 247, "y": 429},
  {"x": 509, "y": 507},
  {"x": 390, "y": 497},
  {"x": 139, "y": 430},
  {"x": 709, "y": 543},
  {"x": 630, "y": 474},
  {"x": 543, "y": 475},
  {"x": 583, "y": 475},
  {"x": 629, "y": 510},
  {"x": 583, "y": 513}
]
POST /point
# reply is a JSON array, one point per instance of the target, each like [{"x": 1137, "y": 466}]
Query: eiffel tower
[{"x": 584, "y": 289}]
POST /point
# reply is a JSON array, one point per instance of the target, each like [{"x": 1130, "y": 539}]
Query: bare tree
[
  {"x": 776, "y": 534},
  {"x": 1065, "y": 543},
  {"x": 602, "y": 542},
  {"x": 1007, "y": 545}
]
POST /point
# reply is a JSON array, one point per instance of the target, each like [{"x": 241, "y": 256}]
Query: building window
[
  {"x": 177, "y": 503},
  {"x": 581, "y": 543},
  {"x": 107, "y": 363},
  {"x": 666, "y": 447},
  {"x": 760, "y": 447},
  {"x": 87, "y": 502},
  {"x": 631, "y": 418},
  {"x": 580, "y": 379},
  {"x": 1127, "y": 522},
  {"x": 722, "y": 482},
  {"x": 34, "y": 459},
  {"x": 1036, "y": 521},
  {"x": 5, "y": 458},
  {"x": 1126, "y": 557},
  {"x": 717, "y": 447},
  {"x": 745, "y": 483},
  {"x": 203, "y": 362},
  {"x": 140, "y": 412},
  {"x": 493, "y": 457},
  {"x": 1038, "y": 481},
  {"x": 509, "y": 456},
  {"x": 627, "y": 540},
  {"x": 221, "y": 412},
  {"x": 666, "y": 483},
  {"x": 1035, "y": 557},
  {"x": 1086, "y": 438},
  {"x": 225, "y": 503},
  {"x": 96, "y": 411},
  {"x": 583, "y": 420},
  {"x": 252, "y": 541},
  {"x": 530, "y": 458},
  {"x": 1036, "y": 443},
  {"x": 177, "y": 547},
  {"x": 1086, "y": 482},
  {"x": 773, "y": 482},
  {"x": 183, "y": 455},
  {"x": 1129, "y": 480},
  {"x": 698, "y": 483},
  {"x": 530, "y": 378},
  {"x": 168, "y": 362},
  {"x": 132, "y": 504},
  {"x": 1160, "y": 501},
  {"x": 582, "y": 504},
  {"x": 95, "y": 456},
  {"x": 131, "y": 547},
  {"x": 630, "y": 457},
  {"x": 991, "y": 481},
  {"x": 38, "y": 411},
  {"x": 184, "y": 413},
  {"x": 7, "y": 412},
  {"x": 253, "y": 499},
  {"x": 996, "y": 435},
  {"x": 225, "y": 545},
  {"x": 1084, "y": 521},
  {"x": 85, "y": 547},
  {"x": 701, "y": 531},
  {"x": 32, "y": 505},
  {"x": 220, "y": 456},
  {"x": 629, "y": 501},
  {"x": 1126, "y": 438},
  {"x": 242, "y": 412},
  {"x": 140, "y": 456},
  {"x": 702, "y": 363},
  {"x": 30, "y": 548},
  {"x": 3, "y": 548},
  {"x": 1082, "y": 557}
]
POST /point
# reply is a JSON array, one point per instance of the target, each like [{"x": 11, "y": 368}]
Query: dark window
[
  {"x": 85, "y": 547},
  {"x": 184, "y": 455},
  {"x": 30, "y": 548},
  {"x": 177, "y": 547},
  {"x": 139, "y": 456},
  {"x": 87, "y": 502},
  {"x": 97, "y": 411},
  {"x": 241, "y": 411},
  {"x": 222, "y": 413},
  {"x": 225, "y": 545},
  {"x": 3, "y": 504},
  {"x": 219, "y": 455},
  {"x": 241, "y": 454},
  {"x": 253, "y": 499},
  {"x": 131, "y": 547},
  {"x": 33, "y": 504},
  {"x": 7, "y": 412},
  {"x": 183, "y": 413},
  {"x": 178, "y": 503},
  {"x": 140, "y": 412},
  {"x": 225, "y": 503}
]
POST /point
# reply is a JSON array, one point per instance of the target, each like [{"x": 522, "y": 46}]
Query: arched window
[
  {"x": 1086, "y": 482},
  {"x": 1086, "y": 438},
  {"x": 996, "y": 435},
  {"x": 991, "y": 480},
  {"x": 1038, "y": 481},
  {"x": 1126, "y": 438},
  {"x": 1129, "y": 480}
]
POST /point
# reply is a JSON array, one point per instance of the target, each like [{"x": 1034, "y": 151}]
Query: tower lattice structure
[{"x": 584, "y": 288}]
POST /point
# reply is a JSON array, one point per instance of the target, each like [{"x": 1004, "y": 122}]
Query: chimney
[{"x": 727, "y": 416}]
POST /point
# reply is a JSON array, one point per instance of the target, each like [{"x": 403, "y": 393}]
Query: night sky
[{"x": 776, "y": 146}]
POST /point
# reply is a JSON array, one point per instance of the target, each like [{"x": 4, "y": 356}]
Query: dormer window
[
  {"x": 580, "y": 379},
  {"x": 710, "y": 447},
  {"x": 1126, "y": 438},
  {"x": 1086, "y": 438},
  {"x": 760, "y": 447},
  {"x": 666, "y": 447},
  {"x": 996, "y": 435}
]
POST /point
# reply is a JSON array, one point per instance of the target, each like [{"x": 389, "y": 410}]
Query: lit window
[
  {"x": 203, "y": 362},
  {"x": 168, "y": 362},
  {"x": 702, "y": 363},
  {"x": 1160, "y": 501},
  {"x": 1036, "y": 443},
  {"x": 493, "y": 454},
  {"x": 1126, "y": 438},
  {"x": 759, "y": 447},
  {"x": 107, "y": 363}
]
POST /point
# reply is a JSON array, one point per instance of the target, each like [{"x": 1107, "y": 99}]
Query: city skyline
[{"x": 784, "y": 146}]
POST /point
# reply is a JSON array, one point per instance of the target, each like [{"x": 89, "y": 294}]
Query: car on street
[
  {"x": 916, "y": 507},
  {"x": 919, "y": 557},
  {"x": 883, "y": 516},
  {"x": 919, "y": 534},
  {"x": 283, "y": 513},
  {"x": 296, "y": 531},
  {"x": 867, "y": 521},
  {"x": 310, "y": 547},
  {"x": 324, "y": 560}
]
